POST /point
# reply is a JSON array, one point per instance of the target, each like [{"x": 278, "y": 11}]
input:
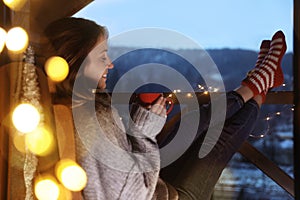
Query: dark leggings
[{"x": 195, "y": 178}]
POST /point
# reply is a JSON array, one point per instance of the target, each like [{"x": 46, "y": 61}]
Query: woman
[{"x": 124, "y": 163}]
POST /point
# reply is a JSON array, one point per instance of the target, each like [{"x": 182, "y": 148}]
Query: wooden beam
[
  {"x": 281, "y": 97},
  {"x": 297, "y": 97},
  {"x": 44, "y": 12},
  {"x": 4, "y": 106},
  {"x": 5, "y": 23},
  {"x": 268, "y": 167}
]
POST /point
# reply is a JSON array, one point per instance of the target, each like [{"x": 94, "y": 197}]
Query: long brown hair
[{"x": 72, "y": 38}]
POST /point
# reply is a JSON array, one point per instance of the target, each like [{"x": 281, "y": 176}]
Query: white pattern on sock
[{"x": 256, "y": 84}]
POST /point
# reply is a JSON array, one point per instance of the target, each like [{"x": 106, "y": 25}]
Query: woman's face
[{"x": 97, "y": 63}]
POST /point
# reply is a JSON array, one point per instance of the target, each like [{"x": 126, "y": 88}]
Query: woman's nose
[{"x": 110, "y": 66}]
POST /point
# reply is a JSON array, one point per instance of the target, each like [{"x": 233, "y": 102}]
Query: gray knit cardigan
[{"x": 120, "y": 164}]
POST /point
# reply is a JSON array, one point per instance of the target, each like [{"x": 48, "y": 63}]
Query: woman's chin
[{"x": 101, "y": 86}]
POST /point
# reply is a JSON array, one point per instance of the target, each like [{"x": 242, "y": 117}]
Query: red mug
[{"x": 150, "y": 98}]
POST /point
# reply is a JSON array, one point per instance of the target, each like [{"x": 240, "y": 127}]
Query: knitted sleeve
[{"x": 144, "y": 126}]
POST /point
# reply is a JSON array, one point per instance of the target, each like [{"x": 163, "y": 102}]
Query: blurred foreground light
[
  {"x": 2, "y": 38},
  {"x": 25, "y": 118},
  {"x": 71, "y": 175},
  {"x": 46, "y": 188},
  {"x": 40, "y": 141},
  {"x": 57, "y": 68},
  {"x": 15, "y": 5},
  {"x": 189, "y": 95},
  {"x": 64, "y": 193},
  {"x": 17, "y": 40},
  {"x": 19, "y": 142}
]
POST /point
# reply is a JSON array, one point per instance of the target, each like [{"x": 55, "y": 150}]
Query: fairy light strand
[{"x": 268, "y": 119}]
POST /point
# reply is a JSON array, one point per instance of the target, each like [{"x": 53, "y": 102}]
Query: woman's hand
[
  {"x": 148, "y": 120},
  {"x": 159, "y": 107}
]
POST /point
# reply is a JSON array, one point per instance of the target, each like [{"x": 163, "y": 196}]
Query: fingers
[{"x": 159, "y": 107}]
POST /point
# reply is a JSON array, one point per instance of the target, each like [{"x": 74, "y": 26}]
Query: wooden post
[
  {"x": 297, "y": 97},
  {"x": 5, "y": 23}
]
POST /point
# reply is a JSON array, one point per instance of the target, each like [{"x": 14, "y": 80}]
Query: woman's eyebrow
[
  {"x": 101, "y": 47},
  {"x": 103, "y": 51}
]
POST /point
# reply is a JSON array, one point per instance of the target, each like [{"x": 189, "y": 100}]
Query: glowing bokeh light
[
  {"x": 57, "y": 68},
  {"x": 40, "y": 141},
  {"x": 189, "y": 95},
  {"x": 71, "y": 175},
  {"x": 15, "y": 5},
  {"x": 25, "y": 118},
  {"x": 19, "y": 142},
  {"x": 64, "y": 193},
  {"x": 16, "y": 40},
  {"x": 46, "y": 188},
  {"x": 2, "y": 38}
]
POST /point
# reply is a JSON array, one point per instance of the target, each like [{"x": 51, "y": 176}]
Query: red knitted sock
[
  {"x": 274, "y": 57},
  {"x": 263, "y": 95},
  {"x": 264, "y": 49},
  {"x": 256, "y": 81},
  {"x": 269, "y": 73}
]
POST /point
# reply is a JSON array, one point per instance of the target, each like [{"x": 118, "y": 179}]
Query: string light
[
  {"x": 71, "y": 175},
  {"x": 215, "y": 89},
  {"x": 46, "y": 188},
  {"x": 40, "y": 141},
  {"x": 189, "y": 95},
  {"x": 19, "y": 142},
  {"x": 25, "y": 118},
  {"x": 16, "y": 40},
  {"x": 278, "y": 113},
  {"x": 177, "y": 91},
  {"x": 2, "y": 38},
  {"x": 267, "y": 120},
  {"x": 200, "y": 87},
  {"x": 15, "y": 5},
  {"x": 207, "y": 89},
  {"x": 57, "y": 68},
  {"x": 64, "y": 193}
]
